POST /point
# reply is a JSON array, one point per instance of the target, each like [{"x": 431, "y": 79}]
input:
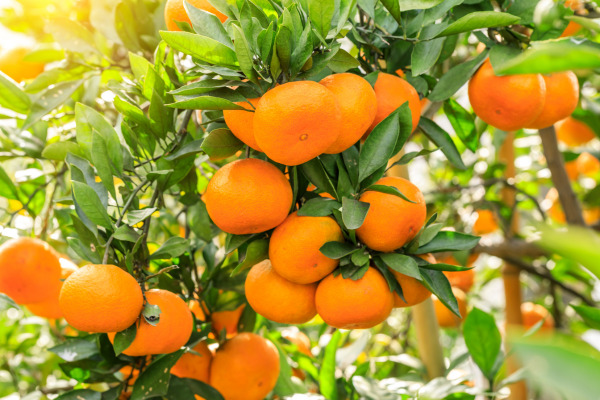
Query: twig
[{"x": 162, "y": 271}]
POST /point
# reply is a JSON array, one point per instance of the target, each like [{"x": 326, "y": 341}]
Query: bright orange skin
[
  {"x": 572, "y": 170},
  {"x": 172, "y": 331},
  {"x": 194, "y": 366},
  {"x": 294, "y": 248},
  {"x": 391, "y": 92},
  {"x": 174, "y": 11},
  {"x": 534, "y": 313},
  {"x": 348, "y": 304},
  {"x": 571, "y": 30},
  {"x": 29, "y": 270},
  {"x": 227, "y": 320},
  {"x": 50, "y": 308},
  {"x": 506, "y": 102},
  {"x": 358, "y": 105},
  {"x": 573, "y": 132},
  {"x": 463, "y": 280},
  {"x": 297, "y": 121},
  {"x": 414, "y": 291},
  {"x": 241, "y": 123},
  {"x": 13, "y": 65},
  {"x": 101, "y": 298},
  {"x": 298, "y": 338},
  {"x": 587, "y": 164},
  {"x": 445, "y": 317},
  {"x": 245, "y": 368},
  {"x": 248, "y": 196},
  {"x": 278, "y": 299},
  {"x": 392, "y": 221},
  {"x": 485, "y": 222},
  {"x": 562, "y": 96}
]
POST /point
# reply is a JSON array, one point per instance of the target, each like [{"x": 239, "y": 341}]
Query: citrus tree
[{"x": 259, "y": 199}]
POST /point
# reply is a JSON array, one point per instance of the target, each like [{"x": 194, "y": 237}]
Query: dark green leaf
[
  {"x": 124, "y": 339},
  {"x": 314, "y": 171},
  {"x": 154, "y": 380},
  {"x": 75, "y": 349},
  {"x": 479, "y": 20},
  {"x": 402, "y": 263},
  {"x": 256, "y": 252},
  {"x": 591, "y": 315},
  {"x": 449, "y": 241},
  {"x": 456, "y": 77},
  {"x": 354, "y": 212},
  {"x": 89, "y": 202},
  {"x": 425, "y": 54},
  {"x": 389, "y": 190},
  {"x": 342, "y": 62},
  {"x": 463, "y": 123},
  {"x": 438, "y": 284},
  {"x": 442, "y": 139},
  {"x": 205, "y": 103},
  {"x": 173, "y": 247},
  {"x": 337, "y": 250},
  {"x": 126, "y": 234},
  {"x": 483, "y": 340},
  {"x": 429, "y": 233},
  {"x": 137, "y": 216},
  {"x": 80, "y": 394},
  {"x": 318, "y": 207},
  {"x": 221, "y": 143}
]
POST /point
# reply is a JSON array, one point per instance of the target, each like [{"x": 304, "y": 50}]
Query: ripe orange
[
  {"x": 573, "y": 132},
  {"x": 245, "y": 368},
  {"x": 587, "y": 164},
  {"x": 294, "y": 248},
  {"x": 348, "y": 304},
  {"x": 391, "y": 92},
  {"x": 445, "y": 317},
  {"x": 172, "y": 331},
  {"x": 12, "y": 63},
  {"x": 194, "y": 366},
  {"x": 248, "y": 196},
  {"x": 462, "y": 280},
  {"x": 534, "y": 313},
  {"x": 50, "y": 308},
  {"x": 241, "y": 123},
  {"x": 101, "y": 298},
  {"x": 485, "y": 222},
  {"x": 297, "y": 121},
  {"x": 562, "y": 96},
  {"x": 414, "y": 291},
  {"x": 506, "y": 102},
  {"x": 571, "y": 30},
  {"x": 572, "y": 170},
  {"x": 392, "y": 221},
  {"x": 29, "y": 270},
  {"x": 299, "y": 338},
  {"x": 227, "y": 320},
  {"x": 358, "y": 105},
  {"x": 278, "y": 299},
  {"x": 174, "y": 11}
]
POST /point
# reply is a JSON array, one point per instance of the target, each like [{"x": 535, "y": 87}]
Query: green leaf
[
  {"x": 456, "y": 77},
  {"x": 438, "y": 284},
  {"x": 79, "y": 394},
  {"x": 425, "y": 54},
  {"x": 314, "y": 171},
  {"x": 71, "y": 35},
  {"x": 7, "y": 187},
  {"x": 124, "y": 339},
  {"x": 302, "y": 51},
  {"x": 232, "y": 242},
  {"x": 203, "y": 48},
  {"x": 389, "y": 190},
  {"x": 319, "y": 207},
  {"x": 137, "y": 216},
  {"x": 50, "y": 99},
  {"x": 321, "y": 13},
  {"x": 442, "y": 139},
  {"x": 173, "y": 247},
  {"x": 75, "y": 349},
  {"x": 256, "y": 252},
  {"x": 463, "y": 123},
  {"x": 429, "y": 233},
  {"x": 406, "y": 5},
  {"x": 408, "y": 157},
  {"x": 199, "y": 221},
  {"x": 402, "y": 263},
  {"x": 6, "y": 302},
  {"x": 327, "y": 381},
  {"x": 243, "y": 52},
  {"x": 283, "y": 45},
  {"x": 90, "y": 204},
  {"x": 126, "y": 233},
  {"x": 58, "y": 150},
  {"x": 479, "y": 20},
  {"x": 101, "y": 161},
  {"x": 449, "y": 241},
  {"x": 205, "y": 103},
  {"x": 188, "y": 149},
  {"x": 354, "y": 212},
  {"x": 587, "y": 23},
  {"x": 154, "y": 380},
  {"x": 483, "y": 340},
  {"x": 12, "y": 96},
  {"x": 202, "y": 389},
  {"x": 221, "y": 143},
  {"x": 342, "y": 61},
  {"x": 337, "y": 250},
  {"x": 207, "y": 24},
  {"x": 591, "y": 315}
]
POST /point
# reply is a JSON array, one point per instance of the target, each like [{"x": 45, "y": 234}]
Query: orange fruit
[
  {"x": 174, "y": 11},
  {"x": 312, "y": 187},
  {"x": 534, "y": 313},
  {"x": 571, "y": 30},
  {"x": 101, "y": 298},
  {"x": 414, "y": 291},
  {"x": 360, "y": 304},
  {"x": 392, "y": 221},
  {"x": 573, "y": 132},
  {"x": 241, "y": 123},
  {"x": 572, "y": 170},
  {"x": 29, "y": 270},
  {"x": 298, "y": 338},
  {"x": 278, "y": 299},
  {"x": 562, "y": 96},
  {"x": 130, "y": 374},
  {"x": 591, "y": 216},
  {"x": 12, "y": 63},
  {"x": 294, "y": 248},
  {"x": 391, "y": 92},
  {"x": 485, "y": 222},
  {"x": 248, "y": 196},
  {"x": 50, "y": 308},
  {"x": 358, "y": 106},
  {"x": 172, "y": 331},
  {"x": 462, "y": 280},
  {"x": 445, "y": 317},
  {"x": 227, "y": 320},
  {"x": 194, "y": 366},
  {"x": 297, "y": 121},
  {"x": 587, "y": 164},
  {"x": 246, "y": 367},
  {"x": 506, "y": 102}
]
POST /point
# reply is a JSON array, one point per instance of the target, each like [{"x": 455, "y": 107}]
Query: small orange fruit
[
  {"x": 130, "y": 374},
  {"x": 101, "y": 298},
  {"x": 573, "y": 132},
  {"x": 572, "y": 170},
  {"x": 174, "y": 11},
  {"x": 462, "y": 280},
  {"x": 227, "y": 320},
  {"x": 358, "y": 105},
  {"x": 241, "y": 122},
  {"x": 445, "y": 317},
  {"x": 587, "y": 164},
  {"x": 29, "y": 270},
  {"x": 297, "y": 121},
  {"x": 12, "y": 63},
  {"x": 246, "y": 367},
  {"x": 506, "y": 102},
  {"x": 485, "y": 222},
  {"x": 354, "y": 304},
  {"x": 50, "y": 308},
  {"x": 391, "y": 92},
  {"x": 299, "y": 338},
  {"x": 572, "y": 29},
  {"x": 414, "y": 291},
  {"x": 248, "y": 196},
  {"x": 534, "y": 313},
  {"x": 392, "y": 221},
  {"x": 194, "y": 366},
  {"x": 294, "y": 248},
  {"x": 172, "y": 331},
  {"x": 278, "y": 299},
  {"x": 562, "y": 96}
]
